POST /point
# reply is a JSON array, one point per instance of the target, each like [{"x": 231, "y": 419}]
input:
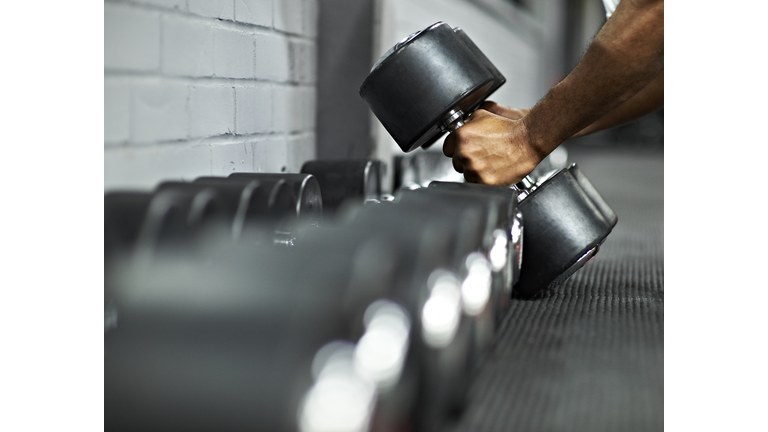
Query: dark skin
[{"x": 619, "y": 78}]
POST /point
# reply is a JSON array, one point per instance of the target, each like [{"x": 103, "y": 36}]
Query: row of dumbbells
[{"x": 235, "y": 303}]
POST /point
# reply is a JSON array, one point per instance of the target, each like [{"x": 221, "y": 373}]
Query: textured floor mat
[{"x": 588, "y": 355}]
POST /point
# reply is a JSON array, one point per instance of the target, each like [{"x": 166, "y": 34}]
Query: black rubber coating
[
  {"x": 412, "y": 90},
  {"x": 342, "y": 180},
  {"x": 304, "y": 190},
  {"x": 498, "y": 78},
  {"x": 561, "y": 225},
  {"x": 594, "y": 195}
]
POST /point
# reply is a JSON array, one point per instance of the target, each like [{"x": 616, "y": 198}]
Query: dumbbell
[
  {"x": 511, "y": 223},
  {"x": 201, "y": 345},
  {"x": 249, "y": 291},
  {"x": 564, "y": 225},
  {"x": 272, "y": 204},
  {"x": 465, "y": 229},
  {"x": 566, "y": 221},
  {"x": 346, "y": 180},
  {"x": 177, "y": 214},
  {"x": 423, "y": 252},
  {"x": 304, "y": 187},
  {"x": 427, "y": 83},
  {"x": 425, "y": 86},
  {"x": 124, "y": 213}
]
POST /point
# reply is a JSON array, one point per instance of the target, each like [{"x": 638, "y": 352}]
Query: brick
[
  {"x": 233, "y": 53},
  {"x": 294, "y": 109},
  {"x": 272, "y": 57},
  {"x": 166, "y": 4},
  {"x": 221, "y": 9},
  {"x": 303, "y": 67},
  {"x": 310, "y": 76},
  {"x": 297, "y": 62},
  {"x": 253, "y": 110},
  {"x": 289, "y": 16},
  {"x": 299, "y": 149},
  {"x": 258, "y": 12},
  {"x": 286, "y": 109},
  {"x": 309, "y": 104},
  {"x": 159, "y": 111},
  {"x": 145, "y": 167},
  {"x": 311, "y": 17},
  {"x": 131, "y": 38},
  {"x": 188, "y": 47},
  {"x": 117, "y": 108},
  {"x": 229, "y": 158},
  {"x": 211, "y": 111},
  {"x": 270, "y": 155}
]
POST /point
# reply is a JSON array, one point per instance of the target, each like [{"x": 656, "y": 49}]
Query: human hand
[
  {"x": 492, "y": 149},
  {"x": 504, "y": 111}
]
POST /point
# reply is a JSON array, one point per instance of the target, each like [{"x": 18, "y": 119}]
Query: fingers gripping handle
[{"x": 455, "y": 120}]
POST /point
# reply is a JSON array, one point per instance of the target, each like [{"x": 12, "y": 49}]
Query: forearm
[
  {"x": 626, "y": 55},
  {"x": 646, "y": 101}
]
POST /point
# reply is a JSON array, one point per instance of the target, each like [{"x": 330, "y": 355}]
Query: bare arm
[
  {"x": 626, "y": 55},
  {"x": 646, "y": 101}
]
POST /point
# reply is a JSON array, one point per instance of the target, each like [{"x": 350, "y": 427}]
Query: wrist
[{"x": 542, "y": 134}]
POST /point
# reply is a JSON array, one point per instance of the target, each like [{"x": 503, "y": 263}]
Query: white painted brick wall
[
  {"x": 258, "y": 12},
  {"x": 233, "y": 54},
  {"x": 117, "y": 110},
  {"x": 187, "y": 47},
  {"x": 221, "y": 9},
  {"x": 272, "y": 57},
  {"x": 253, "y": 109},
  {"x": 211, "y": 111},
  {"x": 131, "y": 38},
  {"x": 271, "y": 155},
  {"x": 289, "y": 15},
  {"x": 231, "y": 157},
  {"x": 207, "y": 87}
]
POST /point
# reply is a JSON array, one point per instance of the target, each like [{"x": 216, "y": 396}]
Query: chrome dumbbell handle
[
  {"x": 454, "y": 121},
  {"x": 524, "y": 187}
]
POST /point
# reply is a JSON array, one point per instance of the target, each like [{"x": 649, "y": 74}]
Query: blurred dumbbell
[
  {"x": 249, "y": 306},
  {"x": 346, "y": 180},
  {"x": 465, "y": 232},
  {"x": 511, "y": 222},
  {"x": 276, "y": 201},
  {"x": 124, "y": 214},
  {"x": 202, "y": 345},
  {"x": 304, "y": 188},
  {"x": 420, "y": 273}
]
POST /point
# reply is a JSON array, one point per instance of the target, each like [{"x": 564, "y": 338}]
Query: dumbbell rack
[
  {"x": 235, "y": 303},
  {"x": 230, "y": 302}
]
